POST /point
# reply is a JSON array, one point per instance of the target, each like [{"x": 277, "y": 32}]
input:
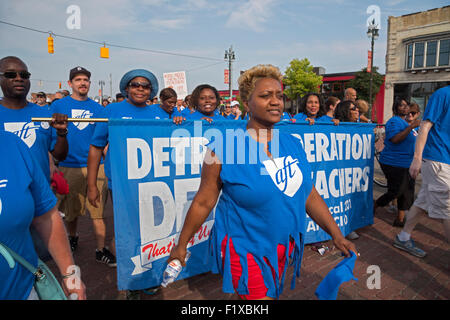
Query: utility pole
[
  {"x": 101, "y": 84},
  {"x": 229, "y": 55},
  {"x": 372, "y": 33}
]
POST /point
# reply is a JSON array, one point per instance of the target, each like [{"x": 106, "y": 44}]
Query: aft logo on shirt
[
  {"x": 285, "y": 173},
  {"x": 81, "y": 114},
  {"x": 24, "y": 130}
]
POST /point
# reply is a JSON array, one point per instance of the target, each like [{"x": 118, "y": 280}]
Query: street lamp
[
  {"x": 101, "y": 83},
  {"x": 229, "y": 55},
  {"x": 372, "y": 33}
]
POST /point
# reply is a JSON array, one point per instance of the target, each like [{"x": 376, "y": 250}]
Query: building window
[
  {"x": 419, "y": 49},
  {"x": 431, "y": 53},
  {"x": 428, "y": 54},
  {"x": 444, "y": 52},
  {"x": 409, "y": 56},
  {"x": 337, "y": 87}
]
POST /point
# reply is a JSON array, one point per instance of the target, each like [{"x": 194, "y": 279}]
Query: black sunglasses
[
  {"x": 140, "y": 84},
  {"x": 412, "y": 113},
  {"x": 13, "y": 74},
  {"x": 353, "y": 108}
]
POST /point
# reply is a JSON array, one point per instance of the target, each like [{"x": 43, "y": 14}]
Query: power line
[{"x": 110, "y": 44}]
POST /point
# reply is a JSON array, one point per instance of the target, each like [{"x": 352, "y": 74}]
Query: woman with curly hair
[
  {"x": 205, "y": 99},
  {"x": 311, "y": 108},
  {"x": 259, "y": 219}
]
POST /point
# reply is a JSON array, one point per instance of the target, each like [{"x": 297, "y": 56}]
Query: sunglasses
[
  {"x": 353, "y": 108},
  {"x": 136, "y": 85},
  {"x": 13, "y": 74},
  {"x": 412, "y": 113}
]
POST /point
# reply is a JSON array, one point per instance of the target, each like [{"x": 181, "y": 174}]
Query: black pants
[{"x": 400, "y": 187}]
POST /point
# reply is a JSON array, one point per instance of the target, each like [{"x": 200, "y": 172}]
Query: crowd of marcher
[{"x": 37, "y": 219}]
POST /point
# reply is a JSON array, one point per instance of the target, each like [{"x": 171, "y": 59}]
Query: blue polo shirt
[
  {"x": 79, "y": 133},
  {"x": 437, "y": 111},
  {"x": 24, "y": 194}
]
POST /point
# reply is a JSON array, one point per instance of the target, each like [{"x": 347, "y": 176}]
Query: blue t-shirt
[
  {"x": 228, "y": 117},
  {"x": 156, "y": 112},
  {"x": 437, "y": 111},
  {"x": 262, "y": 205},
  {"x": 79, "y": 133},
  {"x": 300, "y": 116},
  {"x": 119, "y": 110},
  {"x": 197, "y": 115},
  {"x": 324, "y": 118},
  {"x": 397, "y": 154},
  {"x": 285, "y": 117},
  {"x": 24, "y": 195},
  {"x": 37, "y": 136}
]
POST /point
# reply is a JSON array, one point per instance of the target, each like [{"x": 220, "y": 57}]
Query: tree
[
  {"x": 361, "y": 83},
  {"x": 300, "y": 79}
]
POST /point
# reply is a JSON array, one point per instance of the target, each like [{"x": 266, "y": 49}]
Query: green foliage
[
  {"x": 361, "y": 83},
  {"x": 300, "y": 79}
]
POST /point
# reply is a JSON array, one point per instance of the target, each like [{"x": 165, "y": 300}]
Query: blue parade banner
[{"x": 155, "y": 168}]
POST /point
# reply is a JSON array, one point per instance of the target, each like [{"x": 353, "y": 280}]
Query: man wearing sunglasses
[
  {"x": 74, "y": 167},
  {"x": 16, "y": 113},
  {"x": 15, "y": 116}
]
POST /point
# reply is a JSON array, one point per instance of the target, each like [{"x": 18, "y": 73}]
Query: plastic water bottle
[
  {"x": 173, "y": 269},
  {"x": 73, "y": 296}
]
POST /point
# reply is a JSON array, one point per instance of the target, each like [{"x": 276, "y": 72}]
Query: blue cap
[
  {"x": 130, "y": 75},
  {"x": 329, "y": 287}
]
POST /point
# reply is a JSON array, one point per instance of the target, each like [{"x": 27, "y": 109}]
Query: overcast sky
[{"x": 330, "y": 33}]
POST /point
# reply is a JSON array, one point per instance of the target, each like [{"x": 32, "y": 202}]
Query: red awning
[{"x": 340, "y": 78}]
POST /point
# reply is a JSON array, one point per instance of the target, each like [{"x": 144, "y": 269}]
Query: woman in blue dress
[{"x": 260, "y": 217}]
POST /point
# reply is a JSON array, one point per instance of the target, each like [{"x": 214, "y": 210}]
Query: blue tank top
[{"x": 262, "y": 205}]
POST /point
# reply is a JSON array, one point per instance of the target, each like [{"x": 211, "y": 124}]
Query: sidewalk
[{"x": 403, "y": 276}]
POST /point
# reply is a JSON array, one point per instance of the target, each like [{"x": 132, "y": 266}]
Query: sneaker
[
  {"x": 409, "y": 247},
  {"x": 151, "y": 291},
  {"x": 398, "y": 223},
  {"x": 133, "y": 294},
  {"x": 73, "y": 241},
  {"x": 352, "y": 236},
  {"x": 106, "y": 257}
]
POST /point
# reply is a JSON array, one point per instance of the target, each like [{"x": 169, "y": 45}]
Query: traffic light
[
  {"x": 104, "y": 52},
  {"x": 51, "y": 48}
]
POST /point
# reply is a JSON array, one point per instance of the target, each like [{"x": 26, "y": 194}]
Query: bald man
[{"x": 350, "y": 94}]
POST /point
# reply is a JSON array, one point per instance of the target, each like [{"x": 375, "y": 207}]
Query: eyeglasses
[
  {"x": 136, "y": 85},
  {"x": 412, "y": 113},
  {"x": 13, "y": 74}
]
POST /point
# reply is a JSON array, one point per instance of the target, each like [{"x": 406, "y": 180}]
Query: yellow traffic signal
[
  {"x": 50, "y": 46},
  {"x": 104, "y": 52}
]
